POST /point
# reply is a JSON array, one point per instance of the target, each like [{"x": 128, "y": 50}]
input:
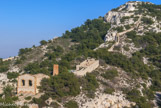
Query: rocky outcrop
[
  {"x": 110, "y": 36},
  {"x": 3, "y": 81},
  {"x": 114, "y": 17},
  {"x": 14, "y": 69},
  {"x": 116, "y": 100},
  {"x": 127, "y": 19},
  {"x": 123, "y": 11}
]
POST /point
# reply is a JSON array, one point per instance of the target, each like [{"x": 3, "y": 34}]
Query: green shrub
[
  {"x": 110, "y": 74},
  {"x": 133, "y": 95},
  {"x": 126, "y": 48},
  {"x": 24, "y": 51},
  {"x": 24, "y": 106},
  {"x": 55, "y": 105},
  {"x": 40, "y": 101},
  {"x": 64, "y": 84},
  {"x": 115, "y": 9},
  {"x": 153, "y": 10},
  {"x": 136, "y": 18},
  {"x": 127, "y": 27},
  {"x": 119, "y": 29},
  {"x": 90, "y": 85},
  {"x": 147, "y": 20},
  {"x": 4, "y": 65},
  {"x": 149, "y": 93},
  {"x": 43, "y": 42},
  {"x": 9, "y": 97},
  {"x": 117, "y": 48},
  {"x": 90, "y": 35},
  {"x": 124, "y": 18},
  {"x": 15, "y": 98},
  {"x": 34, "y": 68},
  {"x": 18, "y": 62},
  {"x": 11, "y": 75},
  {"x": 8, "y": 91},
  {"x": 71, "y": 104},
  {"x": 109, "y": 90},
  {"x": 28, "y": 98}
]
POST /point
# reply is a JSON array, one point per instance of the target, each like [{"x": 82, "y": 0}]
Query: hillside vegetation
[{"x": 115, "y": 66}]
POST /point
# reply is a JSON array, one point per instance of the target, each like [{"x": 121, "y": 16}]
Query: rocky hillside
[{"x": 126, "y": 41}]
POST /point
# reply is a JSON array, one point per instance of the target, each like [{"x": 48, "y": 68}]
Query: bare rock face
[
  {"x": 110, "y": 36},
  {"x": 14, "y": 69},
  {"x": 3, "y": 80},
  {"x": 123, "y": 11},
  {"x": 124, "y": 19},
  {"x": 117, "y": 100},
  {"x": 126, "y": 15},
  {"x": 130, "y": 6},
  {"x": 114, "y": 17}
]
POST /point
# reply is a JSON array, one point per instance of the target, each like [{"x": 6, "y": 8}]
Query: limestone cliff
[{"x": 126, "y": 18}]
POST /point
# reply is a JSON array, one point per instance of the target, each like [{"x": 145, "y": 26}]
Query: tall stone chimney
[{"x": 55, "y": 69}]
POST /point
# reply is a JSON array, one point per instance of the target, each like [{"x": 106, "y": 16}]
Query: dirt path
[{"x": 124, "y": 32}]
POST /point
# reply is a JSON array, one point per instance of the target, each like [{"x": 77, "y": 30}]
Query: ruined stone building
[
  {"x": 28, "y": 83},
  {"x": 86, "y": 66}
]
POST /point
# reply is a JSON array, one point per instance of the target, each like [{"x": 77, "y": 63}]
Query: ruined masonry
[
  {"x": 28, "y": 83},
  {"x": 86, "y": 66}
]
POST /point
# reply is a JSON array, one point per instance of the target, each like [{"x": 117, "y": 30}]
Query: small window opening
[
  {"x": 30, "y": 83},
  {"x": 23, "y": 82}
]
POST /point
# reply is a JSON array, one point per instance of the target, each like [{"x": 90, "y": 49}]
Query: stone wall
[
  {"x": 87, "y": 66},
  {"x": 31, "y": 83},
  {"x": 26, "y": 88},
  {"x": 39, "y": 77}
]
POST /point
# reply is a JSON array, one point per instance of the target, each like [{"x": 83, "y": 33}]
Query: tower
[{"x": 55, "y": 69}]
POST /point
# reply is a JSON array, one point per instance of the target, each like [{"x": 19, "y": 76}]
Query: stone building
[
  {"x": 28, "y": 83},
  {"x": 86, "y": 66}
]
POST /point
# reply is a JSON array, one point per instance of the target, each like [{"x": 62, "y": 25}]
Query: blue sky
[{"x": 24, "y": 23}]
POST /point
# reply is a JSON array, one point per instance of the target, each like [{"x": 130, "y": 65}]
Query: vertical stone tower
[{"x": 55, "y": 69}]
